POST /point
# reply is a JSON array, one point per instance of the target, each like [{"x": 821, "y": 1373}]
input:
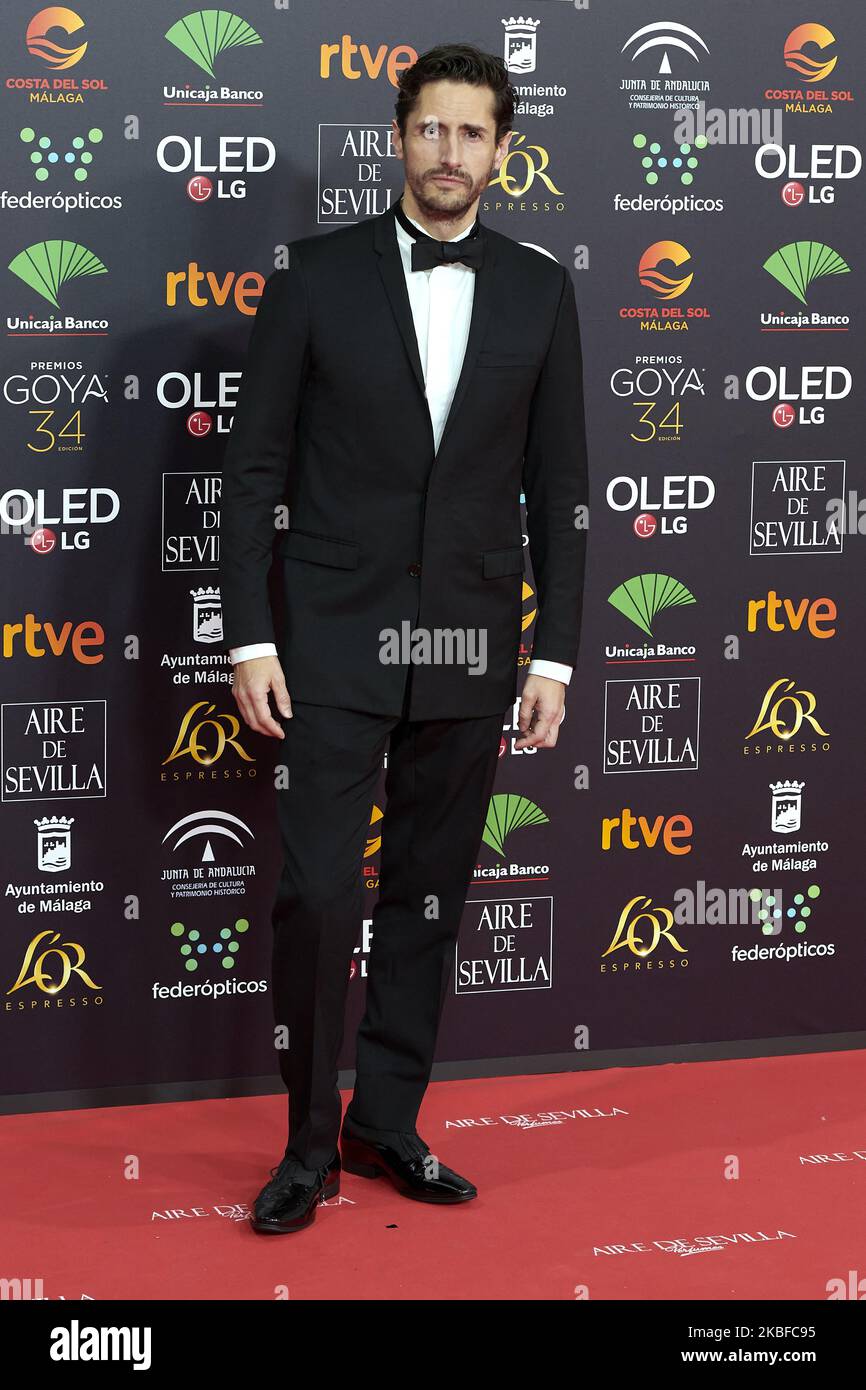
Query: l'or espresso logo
[
  {"x": 524, "y": 170},
  {"x": 505, "y": 944},
  {"x": 791, "y": 507},
  {"x": 56, "y": 42},
  {"x": 48, "y": 966},
  {"x": 652, "y": 726},
  {"x": 640, "y": 933},
  {"x": 789, "y": 721},
  {"x": 53, "y": 750},
  {"x": 203, "y": 741}
]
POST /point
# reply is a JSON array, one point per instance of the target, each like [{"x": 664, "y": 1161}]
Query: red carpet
[{"x": 634, "y": 1158}]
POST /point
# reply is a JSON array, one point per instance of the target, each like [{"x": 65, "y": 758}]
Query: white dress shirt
[{"x": 441, "y": 301}]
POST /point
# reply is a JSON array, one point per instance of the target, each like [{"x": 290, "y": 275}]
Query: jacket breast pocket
[
  {"x": 494, "y": 359},
  {"x": 504, "y": 560},
  {"x": 321, "y": 550}
]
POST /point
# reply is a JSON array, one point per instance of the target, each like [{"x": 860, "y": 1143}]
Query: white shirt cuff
[
  {"x": 554, "y": 669},
  {"x": 237, "y": 654}
]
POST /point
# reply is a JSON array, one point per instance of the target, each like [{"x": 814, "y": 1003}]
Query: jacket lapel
[{"x": 394, "y": 281}]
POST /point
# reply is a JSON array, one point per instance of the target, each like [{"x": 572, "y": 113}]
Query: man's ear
[
  {"x": 502, "y": 148},
  {"x": 396, "y": 138}
]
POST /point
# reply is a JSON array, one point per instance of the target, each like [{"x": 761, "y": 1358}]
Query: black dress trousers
[{"x": 438, "y": 785}]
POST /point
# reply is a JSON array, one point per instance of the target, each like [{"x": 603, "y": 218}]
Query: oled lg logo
[
  {"x": 808, "y": 172},
  {"x": 219, "y": 171}
]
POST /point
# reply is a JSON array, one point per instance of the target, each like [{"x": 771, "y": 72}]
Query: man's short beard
[{"x": 436, "y": 213}]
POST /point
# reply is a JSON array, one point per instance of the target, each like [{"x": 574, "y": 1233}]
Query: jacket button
[{"x": 414, "y": 569}]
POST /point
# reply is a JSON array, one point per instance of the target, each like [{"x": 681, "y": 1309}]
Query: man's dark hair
[{"x": 458, "y": 62}]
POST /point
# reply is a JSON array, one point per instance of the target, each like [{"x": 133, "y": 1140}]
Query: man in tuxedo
[{"x": 406, "y": 376}]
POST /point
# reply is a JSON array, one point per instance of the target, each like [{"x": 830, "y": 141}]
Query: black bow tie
[{"x": 428, "y": 252}]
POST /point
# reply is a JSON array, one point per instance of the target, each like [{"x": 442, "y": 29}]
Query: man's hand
[
  {"x": 542, "y": 707},
  {"x": 253, "y": 680}
]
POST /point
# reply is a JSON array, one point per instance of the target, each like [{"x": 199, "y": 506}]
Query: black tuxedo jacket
[{"x": 332, "y": 422}]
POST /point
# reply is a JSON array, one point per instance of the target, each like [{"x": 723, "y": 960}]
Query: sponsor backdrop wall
[{"x": 683, "y": 868}]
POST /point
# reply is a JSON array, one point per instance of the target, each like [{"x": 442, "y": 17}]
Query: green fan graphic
[
  {"x": 640, "y": 598},
  {"x": 205, "y": 33},
  {"x": 508, "y": 812},
  {"x": 46, "y": 265},
  {"x": 800, "y": 262}
]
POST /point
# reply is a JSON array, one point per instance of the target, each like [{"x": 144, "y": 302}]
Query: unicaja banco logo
[
  {"x": 203, "y": 35},
  {"x": 800, "y": 262},
  {"x": 508, "y": 812},
  {"x": 46, "y": 265},
  {"x": 640, "y": 598}
]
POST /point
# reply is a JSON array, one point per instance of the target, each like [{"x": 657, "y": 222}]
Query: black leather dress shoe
[
  {"x": 289, "y": 1201},
  {"x": 413, "y": 1170}
]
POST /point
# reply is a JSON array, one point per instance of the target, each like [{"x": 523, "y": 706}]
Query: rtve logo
[
  {"x": 400, "y": 57},
  {"x": 22, "y": 639},
  {"x": 204, "y": 288},
  {"x": 634, "y": 832},
  {"x": 783, "y": 614}
]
